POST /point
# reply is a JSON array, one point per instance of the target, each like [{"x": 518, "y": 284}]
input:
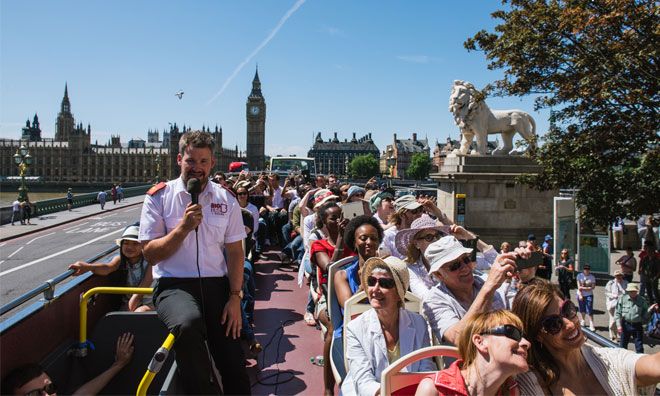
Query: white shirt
[
  {"x": 586, "y": 281},
  {"x": 16, "y": 206},
  {"x": 277, "y": 201},
  {"x": 388, "y": 246},
  {"x": 222, "y": 224},
  {"x": 255, "y": 216},
  {"x": 614, "y": 290}
]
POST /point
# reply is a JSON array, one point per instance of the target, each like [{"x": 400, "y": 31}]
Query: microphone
[{"x": 194, "y": 187}]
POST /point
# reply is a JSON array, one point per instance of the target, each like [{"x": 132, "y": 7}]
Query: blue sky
[{"x": 326, "y": 66}]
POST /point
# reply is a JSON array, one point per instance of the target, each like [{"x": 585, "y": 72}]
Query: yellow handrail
[
  {"x": 155, "y": 364},
  {"x": 103, "y": 290}
]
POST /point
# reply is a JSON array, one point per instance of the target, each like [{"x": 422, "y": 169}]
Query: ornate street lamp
[
  {"x": 390, "y": 162},
  {"x": 23, "y": 160}
]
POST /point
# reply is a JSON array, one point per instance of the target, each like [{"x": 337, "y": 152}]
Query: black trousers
[{"x": 179, "y": 305}]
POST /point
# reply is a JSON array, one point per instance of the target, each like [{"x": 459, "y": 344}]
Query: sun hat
[
  {"x": 243, "y": 183},
  {"x": 618, "y": 273},
  {"x": 444, "y": 251},
  {"x": 354, "y": 190},
  {"x": 548, "y": 237},
  {"x": 397, "y": 267},
  {"x": 408, "y": 202},
  {"x": 531, "y": 237},
  {"x": 405, "y": 237},
  {"x": 632, "y": 287},
  {"x": 322, "y": 196},
  {"x": 130, "y": 234},
  {"x": 376, "y": 199}
]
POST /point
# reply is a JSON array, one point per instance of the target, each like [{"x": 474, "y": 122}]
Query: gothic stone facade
[
  {"x": 71, "y": 157},
  {"x": 334, "y": 156}
]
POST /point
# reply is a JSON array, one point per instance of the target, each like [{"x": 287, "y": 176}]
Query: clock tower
[{"x": 255, "y": 111}]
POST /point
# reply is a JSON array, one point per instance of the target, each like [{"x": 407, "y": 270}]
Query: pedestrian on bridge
[{"x": 101, "y": 197}]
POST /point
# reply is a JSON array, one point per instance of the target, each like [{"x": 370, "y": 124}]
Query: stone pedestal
[{"x": 497, "y": 208}]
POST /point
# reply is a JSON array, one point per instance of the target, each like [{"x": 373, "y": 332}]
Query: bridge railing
[
  {"x": 48, "y": 287},
  {"x": 59, "y": 204}
]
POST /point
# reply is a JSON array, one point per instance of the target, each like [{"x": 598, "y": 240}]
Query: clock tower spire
[{"x": 255, "y": 110}]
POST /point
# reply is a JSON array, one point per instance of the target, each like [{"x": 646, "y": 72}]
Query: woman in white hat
[
  {"x": 459, "y": 293},
  {"x": 614, "y": 289},
  {"x": 385, "y": 332},
  {"x": 131, "y": 260}
]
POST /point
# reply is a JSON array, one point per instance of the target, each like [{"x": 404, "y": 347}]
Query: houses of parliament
[{"x": 71, "y": 156}]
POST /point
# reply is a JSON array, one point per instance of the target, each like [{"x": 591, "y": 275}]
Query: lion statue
[{"x": 475, "y": 118}]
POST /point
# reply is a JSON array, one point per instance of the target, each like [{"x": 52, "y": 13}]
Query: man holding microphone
[{"x": 187, "y": 228}]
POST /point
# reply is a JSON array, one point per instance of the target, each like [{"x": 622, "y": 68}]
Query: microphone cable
[{"x": 279, "y": 331}]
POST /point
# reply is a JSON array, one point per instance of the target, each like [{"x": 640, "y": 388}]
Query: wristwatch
[{"x": 238, "y": 293}]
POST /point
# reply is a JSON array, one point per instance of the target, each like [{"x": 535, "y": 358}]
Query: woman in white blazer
[{"x": 384, "y": 333}]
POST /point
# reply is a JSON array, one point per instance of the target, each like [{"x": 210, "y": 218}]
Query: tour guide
[{"x": 169, "y": 226}]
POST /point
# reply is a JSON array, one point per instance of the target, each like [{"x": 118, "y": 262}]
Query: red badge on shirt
[{"x": 218, "y": 208}]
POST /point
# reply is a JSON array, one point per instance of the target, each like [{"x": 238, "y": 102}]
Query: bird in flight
[{"x": 179, "y": 94}]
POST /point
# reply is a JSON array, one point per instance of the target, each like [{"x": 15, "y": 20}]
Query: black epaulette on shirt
[{"x": 153, "y": 190}]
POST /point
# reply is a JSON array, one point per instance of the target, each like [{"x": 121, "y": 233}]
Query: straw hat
[
  {"x": 397, "y": 267},
  {"x": 632, "y": 287}
]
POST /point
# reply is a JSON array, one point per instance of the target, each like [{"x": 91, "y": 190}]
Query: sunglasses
[
  {"x": 429, "y": 237},
  {"x": 456, "y": 265},
  {"x": 385, "y": 283},
  {"x": 554, "y": 323},
  {"x": 49, "y": 389},
  {"x": 242, "y": 193},
  {"x": 417, "y": 211},
  {"x": 509, "y": 331}
]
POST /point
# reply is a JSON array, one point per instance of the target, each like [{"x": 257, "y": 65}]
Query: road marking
[
  {"x": 132, "y": 209},
  {"x": 3, "y": 244},
  {"x": 70, "y": 228},
  {"x": 2, "y": 261},
  {"x": 31, "y": 263},
  {"x": 17, "y": 250},
  {"x": 39, "y": 237}
]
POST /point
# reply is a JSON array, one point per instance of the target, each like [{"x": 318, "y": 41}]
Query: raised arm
[
  {"x": 123, "y": 355},
  {"x": 80, "y": 267}
]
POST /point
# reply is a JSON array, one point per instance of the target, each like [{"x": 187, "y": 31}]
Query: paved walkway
[{"x": 39, "y": 223}]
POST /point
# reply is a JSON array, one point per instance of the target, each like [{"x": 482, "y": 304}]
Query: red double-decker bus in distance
[{"x": 238, "y": 166}]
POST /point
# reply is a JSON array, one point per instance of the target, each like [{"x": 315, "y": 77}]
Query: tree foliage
[
  {"x": 595, "y": 65},
  {"x": 420, "y": 166},
  {"x": 363, "y": 166}
]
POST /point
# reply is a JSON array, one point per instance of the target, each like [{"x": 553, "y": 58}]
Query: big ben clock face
[{"x": 254, "y": 110}]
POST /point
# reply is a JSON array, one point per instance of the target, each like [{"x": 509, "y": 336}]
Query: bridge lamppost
[{"x": 23, "y": 160}]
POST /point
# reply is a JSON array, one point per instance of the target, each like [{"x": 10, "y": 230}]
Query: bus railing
[
  {"x": 48, "y": 287},
  {"x": 598, "y": 339},
  {"x": 84, "y": 300}
]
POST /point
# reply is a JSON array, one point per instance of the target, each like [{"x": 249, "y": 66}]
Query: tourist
[
  {"x": 324, "y": 252},
  {"x": 131, "y": 260},
  {"x": 564, "y": 272},
  {"x": 355, "y": 194},
  {"x": 113, "y": 194},
  {"x": 406, "y": 210},
  {"x": 31, "y": 379},
  {"x": 614, "y": 289},
  {"x": 562, "y": 362},
  {"x": 120, "y": 192},
  {"x": 649, "y": 271},
  {"x": 548, "y": 251},
  {"x": 505, "y": 247},
  {"x": 493, "y": 351},
  {"x": 101, "y": 196},
  {"x": 632, "y": 312},
  {"x": 27, "y": 211},
  {"x": 16, "y": 212},
  {"x": 460, "y": 294},
  {"x": 382, "y": 206},
  {"x": 362, "y": 235},
  {"x": 386, "y": 327},
  {"x": 413, "y": 242},
  {"x": 69, "y": 199},
  {"x": 586, "y": 282},
  {"x": 628, "y": 264}
]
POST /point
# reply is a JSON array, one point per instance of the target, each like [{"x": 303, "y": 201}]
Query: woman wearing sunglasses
[
  {"x": 385, "y": 332},
  {"x": 493, "y": 351},
  {"x": 460, "y": 293},
  {"x": 563, "y": 363}
]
